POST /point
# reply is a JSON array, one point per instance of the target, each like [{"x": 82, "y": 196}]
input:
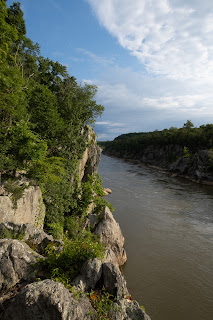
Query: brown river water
[{"x": 167, "y": 223}]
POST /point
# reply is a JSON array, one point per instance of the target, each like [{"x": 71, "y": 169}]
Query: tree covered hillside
[
  {"x": 187, "y": 151},
  {"x": 189, "y": 138},
  {"x": 42, "y": 112}
]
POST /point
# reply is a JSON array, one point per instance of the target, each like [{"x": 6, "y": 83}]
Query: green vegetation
[
  {"x": 104, "y": 304},
  {"x": 189, "y": 138},
  {"x": 11, "y": 234},
  {"x": 63, "y": 266},
  {"x": 43, "y": 113}
]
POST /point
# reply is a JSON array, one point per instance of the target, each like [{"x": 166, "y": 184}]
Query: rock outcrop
[
  {"x": 48, "y": 300},
  {"x": 110, "y": 234},
  {"x": 96, "y": 275},
  {"x": 172, "y": 158},
  {"x": 28, "y": 209},
  {"x": 17, "y": 264},
  {"x": 29, "y": 233},
  {"x": 91, "y": 157},
  {"x": 22, "y": 298}
]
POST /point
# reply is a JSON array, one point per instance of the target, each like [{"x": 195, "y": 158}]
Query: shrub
[
  {"x": 103, "y": 303},
  {"x": 69, "y": 261}
]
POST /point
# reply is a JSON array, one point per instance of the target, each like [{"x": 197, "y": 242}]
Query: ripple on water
[{"x": 168, "y": 226}]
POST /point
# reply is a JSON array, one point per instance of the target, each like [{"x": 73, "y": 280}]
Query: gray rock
[
  {"x": 29, "y": 233},
  {"x": 113, "y": 281},
  {"x": 30, "y": 208},
  {"x": 48, "y": 300},
  {"x": 89, "y": 162},
  {"x": 129, "y": 310},
  {"x": 181, "y": 165},
  {"x": 110, "y": 234},
  {"x": 89, "y": 276},
  {"x": 39, "y": 238},
  {"x": 17, "y": 263},
  {"x": 92, "y": 221}
]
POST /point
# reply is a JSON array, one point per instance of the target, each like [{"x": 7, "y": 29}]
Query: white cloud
[
  {"x": 110, "y": 124},
  {"x": 94, "y": 57},
  {"x": 135, "y": 103},
  {"x": 172, "y": 38}
]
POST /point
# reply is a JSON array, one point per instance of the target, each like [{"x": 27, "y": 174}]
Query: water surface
[{"x": 168, "y": 227}]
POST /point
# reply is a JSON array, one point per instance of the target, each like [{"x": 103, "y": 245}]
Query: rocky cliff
[
  {"x": 89, "y": 162},
  {"x": 175, "y": 159},
  {"x": 25, "y": 290},
  {"x": 28, "y": 209}
]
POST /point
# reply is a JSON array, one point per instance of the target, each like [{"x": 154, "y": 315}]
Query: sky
[{"x": 152, "y": 60}]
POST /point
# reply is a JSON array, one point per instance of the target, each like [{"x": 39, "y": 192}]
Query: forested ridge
[
  {"x": 186, "y": 151},
  {"x": 43, "y": 112},
  {"x": 190, "y": 137}
]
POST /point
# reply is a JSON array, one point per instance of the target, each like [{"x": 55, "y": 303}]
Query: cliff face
[
  {"x": 28, "y": 209},
  {"x": 177, "y": 160},
  {"x": 21, "y": 297},
  {"x": 91, "y": 157}
]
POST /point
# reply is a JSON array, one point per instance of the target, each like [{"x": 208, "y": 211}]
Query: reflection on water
[{"x": 168, "y": 226}]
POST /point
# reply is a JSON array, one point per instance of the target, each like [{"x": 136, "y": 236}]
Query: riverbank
[
  {"x": 74, "y": 275},
  {"x": 167, "y": 224},
  {"x": 171, "y": 160}
]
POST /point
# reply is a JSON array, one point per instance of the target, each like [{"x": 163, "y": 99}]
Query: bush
[
  {"x": 67, "y": 264},
  {"x": 103, "y": 303},
  {"x": 56, "y": 230}
]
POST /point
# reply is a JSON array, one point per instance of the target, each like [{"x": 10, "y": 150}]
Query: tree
[{"x": 188, "y": 125}]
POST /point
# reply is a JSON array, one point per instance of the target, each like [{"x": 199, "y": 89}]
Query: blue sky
[{"x": 151, "y": 60}]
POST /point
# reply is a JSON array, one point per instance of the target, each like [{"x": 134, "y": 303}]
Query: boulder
[
  {"x": 39, "y": 238},
  {"x": 17, "y": 263},
  {"x": 107, "y": 191},
  {"x": 29, "y": 233},
  {"x": 29, "y": 208},
  {"x": 113, "y": 281},
  {"x": 129, "y": 309},
  {"x": 95, "y": 275},
  {"x": 110, "y": 234},
  {"x": 89, "y": 276},
  {"x": 48, "y": 300}
]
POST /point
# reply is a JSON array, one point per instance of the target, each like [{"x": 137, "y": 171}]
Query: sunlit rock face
[
  {"x": 28, "y": 209},
  {"x": 17, "y": 263},
  {"x": 89, "y": 162}
]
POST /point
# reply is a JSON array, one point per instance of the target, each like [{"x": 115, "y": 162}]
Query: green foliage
[
  {"x": 42, "y": 116},
  {"x": 143, "y": 308},
  {"x": 15, "y": 19},
  {"x": 11, "y": 234},
  {"x": 134, "y": 144},
  {"x": 211, "y": 158},
  {"x": 186, "y": 153},
  {"x": 90, "y": 192},
  {"x": 69, "y": 261},
  {"x": 14, "y": 189},
  {"x": 103, "y": 303},
  {"x": 73, "y": 225},
  {"x": 188, "y": 124},
  {"x": 56, "y": 230}
]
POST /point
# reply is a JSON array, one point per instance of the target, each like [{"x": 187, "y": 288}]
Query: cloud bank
[{"x": 172, "y": 40}]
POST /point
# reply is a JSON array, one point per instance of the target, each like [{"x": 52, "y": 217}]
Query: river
[{"x": 167, "y": 223}]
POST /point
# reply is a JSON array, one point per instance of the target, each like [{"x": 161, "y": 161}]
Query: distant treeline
[{"x": 190, "y": 137}]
